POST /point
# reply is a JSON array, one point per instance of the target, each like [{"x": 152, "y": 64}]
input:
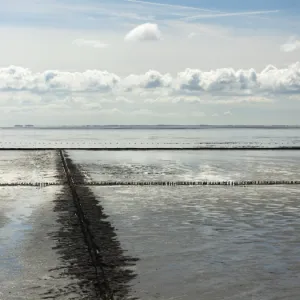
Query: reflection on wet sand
[{"x": 51, "y": 260}]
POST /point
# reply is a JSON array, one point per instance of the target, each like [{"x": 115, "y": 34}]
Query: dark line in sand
[
  {"x": 107, "y": 258},
  {"x": 157, "y": 148}
]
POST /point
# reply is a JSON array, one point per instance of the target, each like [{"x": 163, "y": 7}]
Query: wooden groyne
[
  {"x": 158, "y": 183},
  {"x": 33, "y": 184},
  {"x": 106, "y": 254},
  {"x": 192, "y": 183}
]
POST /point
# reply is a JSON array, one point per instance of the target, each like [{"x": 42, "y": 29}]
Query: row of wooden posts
[
  {"x": 172, "y": 183},
  {"x": 160, "y": 183}
]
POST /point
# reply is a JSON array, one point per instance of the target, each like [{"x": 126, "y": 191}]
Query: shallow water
[
  {"x": 149, "y": 138},
  {"x": 189, "y": 165}
]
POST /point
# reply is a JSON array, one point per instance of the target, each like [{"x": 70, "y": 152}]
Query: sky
[{"x": 76, "y": 62}]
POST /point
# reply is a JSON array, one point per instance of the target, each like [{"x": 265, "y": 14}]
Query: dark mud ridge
[{"x": 88, "y": 245}]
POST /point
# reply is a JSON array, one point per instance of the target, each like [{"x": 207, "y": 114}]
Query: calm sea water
[{"x": 149, "y": 138}]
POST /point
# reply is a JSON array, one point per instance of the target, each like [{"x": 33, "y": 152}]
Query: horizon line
[{"x": 30, "y": 126}]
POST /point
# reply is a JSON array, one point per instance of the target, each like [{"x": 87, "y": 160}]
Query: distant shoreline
[{"x": 152, "y": 127}]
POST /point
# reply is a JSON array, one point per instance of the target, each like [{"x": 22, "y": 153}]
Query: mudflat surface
[
  {"x": 28, "y": 166},
  {"x": 209, "y": 243},
  {"x": 149, "y": 242},
  {"x": 31, "y": 266},
  {"x": 44, "y": 249},
  {"x": 188, "y": 165}
]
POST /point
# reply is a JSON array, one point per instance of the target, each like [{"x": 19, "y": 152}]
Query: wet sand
[
  {"x": 188, "y": 165},
  {"x": 139, "y": 242},
  {"x": 29, "y": 166},
  {"x": 52, "y": 259},
  {"x": 209, "y": 243}
]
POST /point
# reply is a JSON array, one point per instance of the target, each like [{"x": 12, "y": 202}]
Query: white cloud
[
  {"x": 245, "y": 100},
  {"x": 226, "y": 81},
  {"x": 142, "y": 112},
  {"x": 90, "y": 43},
  {"x": 144, "y": 32},
  {"x": 111, "y": 111},
  {"x": 122, "y": 112},
  {"x": 226, "y": 100},
  {"x": 123, "y": 99},
  {"x": 294, "y": 97},
  {"x": 150, "y": 80},
  {"x": 227, "y": 113},
  {"x": 91, "y": 106},
  {"x": 187, "y": 99},
  {"x": 285, "y": 80},
  {"x": 243, "y": 82},
  {"x": 291, "y": 45},
  {"x": 53, "y": 49},
  {"x": 198, "y": 114},
  {"x": 137, "y": 112},
  {"x": 161, "y": 99},
  {"x": 110, "y": 98},
  {"x": 17, "y": 78},
  {"x": 191, "y": 35}
]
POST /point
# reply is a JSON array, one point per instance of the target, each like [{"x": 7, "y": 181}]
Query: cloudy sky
[{"x": 149, "y": 62}]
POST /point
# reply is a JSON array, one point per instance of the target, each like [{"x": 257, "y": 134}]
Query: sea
[{"x": 206, "y": 137}]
